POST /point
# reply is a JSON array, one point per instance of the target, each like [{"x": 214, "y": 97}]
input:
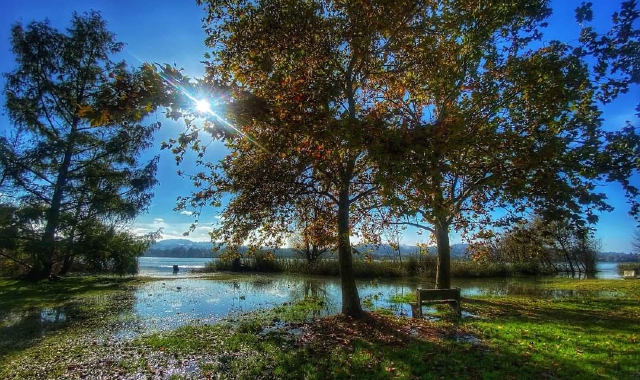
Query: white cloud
[
  {"x": 185, "y": 212},
  {"x": 172, "y": 230}
]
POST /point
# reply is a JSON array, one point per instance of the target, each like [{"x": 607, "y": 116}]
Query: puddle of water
[
  {"x": 467, "y": 338},
  {"x": 53, "y": 316}
]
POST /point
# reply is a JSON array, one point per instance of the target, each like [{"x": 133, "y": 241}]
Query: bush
[
  {"x": 628, "y": 266},
  {"x": 424, "y": 266}
]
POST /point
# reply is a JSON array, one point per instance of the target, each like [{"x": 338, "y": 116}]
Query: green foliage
[
  {"x": 104, "y": 249},
  {"x": 76, "y": 133},
  {"x": 628, "y": 266}
]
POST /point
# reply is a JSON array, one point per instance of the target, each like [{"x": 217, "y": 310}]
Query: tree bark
[
  {"x": 67, "y": 263},
  {"x": 443, "y": 268},
  {"x": 43, "y": 260},
  {"x": 350, "y": 298}
]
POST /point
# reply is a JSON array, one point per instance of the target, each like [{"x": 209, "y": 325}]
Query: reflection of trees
[
  {"x": 314, "y": 289},
  {"x": 262, "y": 284}
]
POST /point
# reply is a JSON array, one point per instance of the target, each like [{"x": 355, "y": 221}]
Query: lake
[{"x": 161, "y": 266}]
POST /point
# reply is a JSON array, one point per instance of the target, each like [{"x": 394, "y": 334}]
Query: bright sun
[{"x": 203, "y": 106}]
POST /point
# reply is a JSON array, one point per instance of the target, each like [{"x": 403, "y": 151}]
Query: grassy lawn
[
  {"x": 592, "y": 334},
  {"x": 21, "y": 294}
]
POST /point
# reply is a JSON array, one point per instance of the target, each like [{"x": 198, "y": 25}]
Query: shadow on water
[{"x": 20, "y": 329}]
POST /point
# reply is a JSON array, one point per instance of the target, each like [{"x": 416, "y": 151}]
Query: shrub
[
  {"x": 424, "y": 266},
  {"x": 628, "y": 266}
]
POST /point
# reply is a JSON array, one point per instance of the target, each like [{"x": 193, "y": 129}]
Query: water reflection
[
  {"x": 167, "y": 304},
  {"x": 170, "y": 303}
]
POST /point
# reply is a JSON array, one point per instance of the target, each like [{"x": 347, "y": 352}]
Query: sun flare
[{"x": 203, "y": 106}]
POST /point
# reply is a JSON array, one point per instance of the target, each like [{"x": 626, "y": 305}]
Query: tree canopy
[
  {"x": 77, "y": 132},
  {"x": 491, "y": 117},
  {"x": 436, "y": 111}
]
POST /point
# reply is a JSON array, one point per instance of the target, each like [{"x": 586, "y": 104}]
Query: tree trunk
[
  {"x": 43, "y": 260},
  {"x": 350, "y": 298},
  {"x": 67, "y": 263},
  {"x": 443, "y": 268},
  {"x": 42, "y": 264}
]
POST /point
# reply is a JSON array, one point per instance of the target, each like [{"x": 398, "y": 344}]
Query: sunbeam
[{"x": 203, "y": 106}]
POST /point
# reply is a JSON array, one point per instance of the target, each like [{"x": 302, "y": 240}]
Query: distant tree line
[{"x": 619, "y": 257}]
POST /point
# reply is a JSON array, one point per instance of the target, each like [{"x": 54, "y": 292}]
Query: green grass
[
  {"x": 19, "y": 294},
  {"x": 30, "y": 310},
  {"x": 593, "y": 333}
]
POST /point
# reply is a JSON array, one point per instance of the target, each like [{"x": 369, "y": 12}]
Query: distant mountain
[
  {"x": 172, "y": 243},
  {"x": 619, "y": 257},
  {"x": 180, "y": 248}
]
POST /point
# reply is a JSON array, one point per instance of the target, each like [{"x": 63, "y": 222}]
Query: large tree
[
  {"x": 76, "y": 131},
  {"x": 489, "y": 117},
  {"x": 303, "y": 79}
]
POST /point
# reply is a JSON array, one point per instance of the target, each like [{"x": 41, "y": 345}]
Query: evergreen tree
[{"x": 76, "y": 131}]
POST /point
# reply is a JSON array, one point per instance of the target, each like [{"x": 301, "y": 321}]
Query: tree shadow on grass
[
  {"x": 21, "y": 294},
  {"x": 614, "y": 314},
  {"x": 597, "y": 335},
  {"x": 383, "y": 347}
]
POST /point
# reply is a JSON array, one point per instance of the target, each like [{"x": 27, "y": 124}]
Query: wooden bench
[
  {"x": 428, "y": 296},
  {"x": 629, "y": 274}
]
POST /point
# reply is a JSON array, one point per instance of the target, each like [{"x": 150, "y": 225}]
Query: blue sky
[{"x": 170, "y": 31}]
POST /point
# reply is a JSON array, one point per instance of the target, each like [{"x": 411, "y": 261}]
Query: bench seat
[{"x": 429, "y": 296}]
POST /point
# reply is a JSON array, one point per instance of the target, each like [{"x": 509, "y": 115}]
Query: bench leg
[
  {"x": 416, "y": 310},
  {"x": 456, "y": 306}
]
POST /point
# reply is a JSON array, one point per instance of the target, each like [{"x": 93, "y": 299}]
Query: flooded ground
[
  {"x": 172, "y": 301},
  {"x": 168, "y": 301}
]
